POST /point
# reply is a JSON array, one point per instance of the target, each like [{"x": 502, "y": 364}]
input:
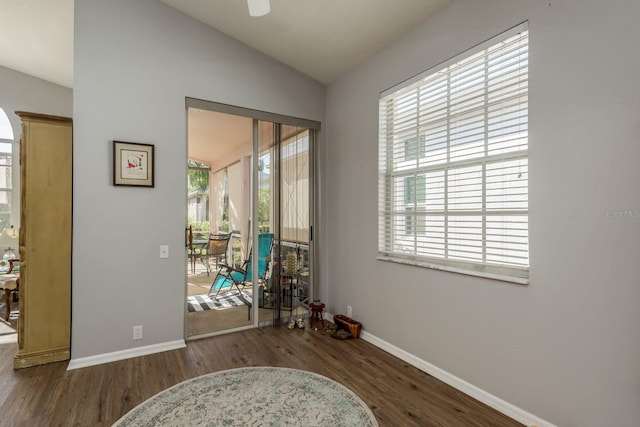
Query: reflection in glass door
[{"x": 283, "y": 200}]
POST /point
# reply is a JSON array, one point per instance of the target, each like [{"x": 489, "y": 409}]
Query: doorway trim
[{"x": 251, "y": 113}]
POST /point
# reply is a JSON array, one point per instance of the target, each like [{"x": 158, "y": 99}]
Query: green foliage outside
[
  {"x": 199, "y": 226},
  {"x": 264, "y": 210},
  {"x": 199, "y": 184},
  {"x": 198, "y": 178},
  {"x": 198, "y": 174}
]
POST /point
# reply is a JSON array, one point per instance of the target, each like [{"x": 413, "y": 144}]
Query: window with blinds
[{"x": 453, "y": 163}]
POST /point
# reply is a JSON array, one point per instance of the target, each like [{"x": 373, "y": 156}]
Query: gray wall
[
  {"x": 135, "y": 62},
  {"x": 20, "y": 92},
  {"x": 566, "y": 347}
]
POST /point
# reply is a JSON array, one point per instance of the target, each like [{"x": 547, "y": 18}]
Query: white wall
[
  {"x": 566, "y": 347},
  {"x": 21, "y": 92},
  {"x": 135, "y": 62}
]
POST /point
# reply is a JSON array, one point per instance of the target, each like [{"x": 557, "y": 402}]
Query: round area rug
[{"x": 257, "y": 396}]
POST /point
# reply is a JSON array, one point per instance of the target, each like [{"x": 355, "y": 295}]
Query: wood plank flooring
[{"x": 397, "y": 393}]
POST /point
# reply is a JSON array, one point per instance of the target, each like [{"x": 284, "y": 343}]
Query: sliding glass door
[
  {"x": 219, "y": 290},
  {"x": 260, "y": 195},
  {"x": 285, "y": 185}
]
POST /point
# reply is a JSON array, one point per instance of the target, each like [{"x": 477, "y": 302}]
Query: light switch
[{"x": 164, "y": 251}]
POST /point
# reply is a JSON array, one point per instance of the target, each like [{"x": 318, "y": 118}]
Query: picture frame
[{"x": 133, "y": 164}]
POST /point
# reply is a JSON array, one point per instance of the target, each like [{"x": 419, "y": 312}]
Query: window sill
[{"x": 459, "y": 270}]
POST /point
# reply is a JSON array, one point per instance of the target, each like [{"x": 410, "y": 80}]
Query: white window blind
[{"x": 453, "y": 163}]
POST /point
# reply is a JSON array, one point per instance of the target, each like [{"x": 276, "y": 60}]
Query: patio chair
[
  {"x": 198, "y": 243},
  {"x": 229, "y": 277},
  {"x": 216, "y": 250}
]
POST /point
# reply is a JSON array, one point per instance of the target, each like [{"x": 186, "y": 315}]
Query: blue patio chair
[{"x": 228, "y": 277}]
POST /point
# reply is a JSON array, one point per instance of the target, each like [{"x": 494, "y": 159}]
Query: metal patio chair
[{"x": 230, "y": 277}]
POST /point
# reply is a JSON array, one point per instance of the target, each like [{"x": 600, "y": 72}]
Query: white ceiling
[
  {"x": 320, "y": 38},
  {"x": 36, "y": 38}
]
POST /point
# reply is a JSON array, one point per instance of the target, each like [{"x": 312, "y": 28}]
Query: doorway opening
[{"x": 250, "y": 250}]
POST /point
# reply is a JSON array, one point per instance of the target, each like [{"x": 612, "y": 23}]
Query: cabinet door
[{"x": 45, "y": 242}]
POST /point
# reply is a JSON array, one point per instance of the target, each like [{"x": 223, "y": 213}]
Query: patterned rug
[
  {"x": 257, "y": 396},
  {"x": 225, "y": 300}
]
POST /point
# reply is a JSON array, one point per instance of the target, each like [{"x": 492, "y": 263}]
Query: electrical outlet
[
  {"x": 349, "y": 311},
  {"x": 137, "y": 332},
  {"x": 164, "y": 251}
]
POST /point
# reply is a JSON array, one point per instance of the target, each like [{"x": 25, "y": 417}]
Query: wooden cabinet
[{"x": 44, "y": 324}]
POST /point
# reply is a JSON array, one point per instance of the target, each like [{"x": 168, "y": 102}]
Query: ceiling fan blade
[{"x": 259, "y": 7}]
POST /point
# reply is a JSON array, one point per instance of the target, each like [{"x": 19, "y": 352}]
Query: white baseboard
[
  {"x": 477, "y": 393},
  {"x": 99, "y": 359}
]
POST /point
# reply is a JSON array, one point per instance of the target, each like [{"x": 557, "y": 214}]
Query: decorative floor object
[
  {"x": 255, "y": 396},
  {"x": 226, "y": 300}
]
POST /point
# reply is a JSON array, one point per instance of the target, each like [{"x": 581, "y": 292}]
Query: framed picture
[{"x": 133, "y": 164}]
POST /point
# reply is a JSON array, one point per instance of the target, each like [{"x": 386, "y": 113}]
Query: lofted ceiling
[
  {"x": 36, "y": 38},
  {"x": 320, "y": 38}
]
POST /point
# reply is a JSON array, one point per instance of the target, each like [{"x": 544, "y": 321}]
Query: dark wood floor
[{"x": 397, "y": 393}]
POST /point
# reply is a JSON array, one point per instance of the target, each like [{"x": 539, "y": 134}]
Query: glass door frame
[
  {"x": 278, "y": 120},
  {"x": 276, "y": 142}
]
